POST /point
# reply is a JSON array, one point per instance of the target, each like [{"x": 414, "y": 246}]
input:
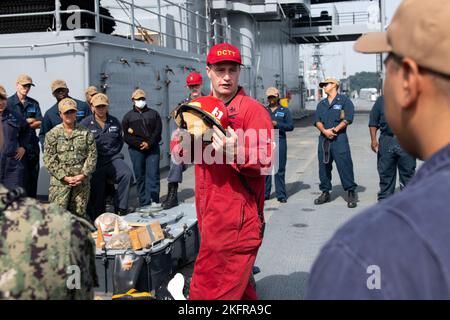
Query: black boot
[
  {"x": 170, "y": 187},
  {"x": 351, "y": 203},
  {"x": 324, "y": 197},
  {"x": 172, "y": 197},
  {"x": 163, "y": 203}
]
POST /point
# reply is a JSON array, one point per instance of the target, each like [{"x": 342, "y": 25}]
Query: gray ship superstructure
[{"x": 121, "y": 45}]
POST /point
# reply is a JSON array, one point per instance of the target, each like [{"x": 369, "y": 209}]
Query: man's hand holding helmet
[
  {"x": 200, "y": 115},
  {"x": 226, "y": 144}
]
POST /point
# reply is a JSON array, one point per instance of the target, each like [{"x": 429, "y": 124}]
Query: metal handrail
[
  {"x": 129, "y": 24},
  {"x": 172, "y": 4},
  {"x": 215, "y": 22},
  {"x": 186, "y": 9},
  {"x": 200, "y": 20},
  {"x": 225, "y": 38},
  {"x": 29, "y": 14},
  {"x": 352, "y": 17},
  {"x": 157, "y": 14},
  {"x": 119, "y": 20},
  {"x": 338, "y": 19},
  {"x": 202, "y": 45},
  {"x": 182, "y": 39}
]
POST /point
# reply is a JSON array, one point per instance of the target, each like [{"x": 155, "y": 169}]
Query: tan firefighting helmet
[{"x": 201, "y": 114}]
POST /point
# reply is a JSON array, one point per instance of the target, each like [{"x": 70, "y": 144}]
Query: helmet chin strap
[{"x": 183, "y": 123}]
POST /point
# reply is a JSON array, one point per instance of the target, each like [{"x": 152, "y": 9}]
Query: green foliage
[{"x": 364, "y": 80}]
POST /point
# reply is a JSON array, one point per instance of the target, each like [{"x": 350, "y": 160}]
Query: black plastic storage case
[{"x": 165, "y": 258}]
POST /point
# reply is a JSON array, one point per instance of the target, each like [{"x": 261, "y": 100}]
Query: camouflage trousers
[{"x": 74, "y": 199}]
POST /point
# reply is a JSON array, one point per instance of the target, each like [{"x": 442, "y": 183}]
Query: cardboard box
[
  {"x": 135, "y": 242},
  {"x": 145, "y": 234}
]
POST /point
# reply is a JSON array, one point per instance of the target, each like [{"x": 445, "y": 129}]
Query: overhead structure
[
  {"x": 261, "y": 30},
  {"x": 326, "y": 24},
  {"x": 310, "y": 21},
  {"x": 265, "y": 10}
]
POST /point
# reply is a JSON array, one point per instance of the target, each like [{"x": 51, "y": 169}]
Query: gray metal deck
[{"x": 297, "y": 230}]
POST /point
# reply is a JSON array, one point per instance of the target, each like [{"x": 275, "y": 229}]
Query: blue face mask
[{"x": 140, "y": 103}]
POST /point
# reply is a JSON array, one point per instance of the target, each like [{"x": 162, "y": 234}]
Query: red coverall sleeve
[{"x": 255, "y": 143}]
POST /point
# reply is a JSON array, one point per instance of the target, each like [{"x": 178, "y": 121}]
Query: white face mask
[{"x": 140, "y": 103}]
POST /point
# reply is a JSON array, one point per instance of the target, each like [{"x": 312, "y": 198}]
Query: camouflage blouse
[{"x": 45, "y": 252}]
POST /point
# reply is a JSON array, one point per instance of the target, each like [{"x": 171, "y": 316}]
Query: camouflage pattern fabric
[
  {"x": 70, "y": 156},
  {"x": 39, "y": 248}
]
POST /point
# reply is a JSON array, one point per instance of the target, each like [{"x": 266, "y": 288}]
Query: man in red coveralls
[{"x": 230, "y": 196}]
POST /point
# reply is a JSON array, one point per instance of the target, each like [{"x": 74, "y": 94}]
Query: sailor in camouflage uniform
[
  {"x": 39, "y": 247},
  {"x": 70, "y": 157}
]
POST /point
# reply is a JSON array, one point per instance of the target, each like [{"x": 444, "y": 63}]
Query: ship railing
[
  {"x": 352, "y": 18},
  {"x": 184, "y": 27},
  {"x": 197, "y": 36},
  {"x": 200, "y": 25},
  {"x": 342, "y": 18},
  {"x": 223, "y": 33}
]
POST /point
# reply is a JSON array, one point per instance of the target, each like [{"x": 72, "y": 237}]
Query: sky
[{"x": 340, "y": 53}]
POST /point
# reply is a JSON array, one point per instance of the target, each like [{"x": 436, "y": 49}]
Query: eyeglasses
[
  {"x": 69, "y": 112},
  {"x": 28, "y": 86}
]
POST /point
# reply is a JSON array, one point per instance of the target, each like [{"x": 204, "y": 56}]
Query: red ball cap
[
  {"x": 223, "y": 52},
  {"x": 193, "y": 79}
]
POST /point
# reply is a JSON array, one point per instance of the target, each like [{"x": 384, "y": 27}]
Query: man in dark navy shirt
[
  {"x": 29, "y": 109},
  {"x": 51, "y": 118},
  {"x": 398, "y": 249},
  {"x": 282, "y": 121},
  {"x": 107, "y": 131},
  {"x": 332, "y": 117},
  {"x": 390, "y": 155}
]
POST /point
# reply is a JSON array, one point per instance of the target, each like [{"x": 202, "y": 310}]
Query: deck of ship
[{"x": 297, "y": 230}]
